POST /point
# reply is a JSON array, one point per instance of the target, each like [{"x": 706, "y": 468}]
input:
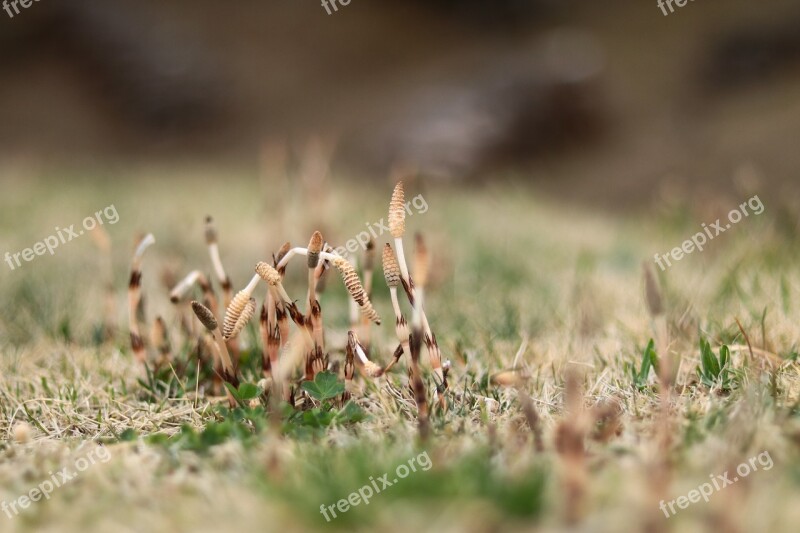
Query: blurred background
[{"x": 612, "y": 102}]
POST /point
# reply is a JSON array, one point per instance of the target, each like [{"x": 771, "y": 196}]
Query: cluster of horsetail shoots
[{"x": 280, "y": 356}]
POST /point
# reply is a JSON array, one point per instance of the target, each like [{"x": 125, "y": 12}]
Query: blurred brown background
[{"x": 602, "y": 101}]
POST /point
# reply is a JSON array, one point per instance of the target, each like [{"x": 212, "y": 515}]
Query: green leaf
[
  {"x": 350, "y": 413},
  {"x": 129, "y": 435},
  {"x": 248, "y": 391},
  {"x": 324, "y": 387},
  {"x": 709, "y": 360},
  {"x": 724, "y": 356},
  {"x": 234, "y": 392},
  {"x": 647, "y": 361}
]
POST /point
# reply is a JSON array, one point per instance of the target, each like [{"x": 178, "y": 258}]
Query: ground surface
[{"x": 519, "y": 281}]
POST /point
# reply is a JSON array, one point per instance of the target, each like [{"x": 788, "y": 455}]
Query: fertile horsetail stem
[
  {"x": 213, "y": 251},
  {"x": 244, "y": 317},
  {"x": 135, "y": 295},
  {"x": 206, "y": 317},
  {"x": 391, "y": 272},
  {"x": 314, "y": 249},
  {"x": 421, "y": 269},
  {"x": 417, "y": 385},
  {"x": 284, "y": 249},
  {"x": 369, "y": 368},
  {"x": 397, "y": 212},
  {"x": 269, "y": 274},
  {"x": 160, "y": 339},
  {"x": 390, "y": 269},
  {"x": 238, "y": 303},
  {"x": 367, "y": 273},
  {"x": 356, "y": 289}
]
